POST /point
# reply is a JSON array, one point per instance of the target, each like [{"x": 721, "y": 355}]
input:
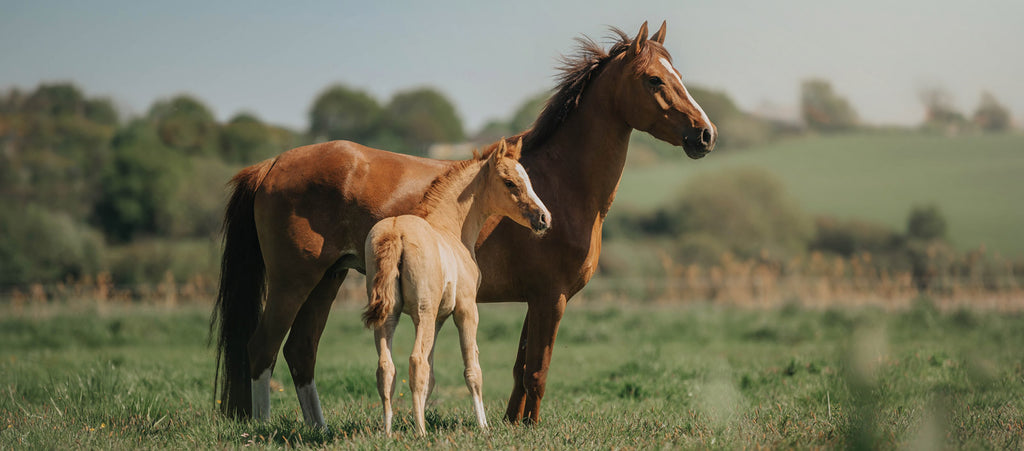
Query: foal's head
[{"x": 508, "y": 191}]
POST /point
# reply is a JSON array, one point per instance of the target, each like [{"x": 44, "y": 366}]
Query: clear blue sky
[{"x": 272, "y": 58}]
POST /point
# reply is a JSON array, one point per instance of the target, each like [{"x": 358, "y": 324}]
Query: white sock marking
[
  {"x": 261, "y": 396},
  {"x": 309, "y": 401},
  {"x": 673, "y": 71}
]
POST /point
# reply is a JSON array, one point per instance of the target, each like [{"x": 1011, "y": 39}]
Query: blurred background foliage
[{"x": 89, "y": 190}]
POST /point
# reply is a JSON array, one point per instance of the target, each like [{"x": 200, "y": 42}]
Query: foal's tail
[
  {"x": 388, "y": 250},
  {"x": 240, "y": 296}
]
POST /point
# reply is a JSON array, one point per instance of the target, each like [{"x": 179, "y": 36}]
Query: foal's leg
[
  {"x": 419, "y": 366},
  {"x": 467, "y": 318},
  {"x": 382, "y": 337},
  {"x": 437, "y": 329},
  {"x": 301, "y": 346}
]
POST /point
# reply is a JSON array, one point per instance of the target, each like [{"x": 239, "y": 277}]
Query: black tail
[{"x": 240, "y": 297}]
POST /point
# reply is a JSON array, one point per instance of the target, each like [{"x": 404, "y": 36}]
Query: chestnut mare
[
  {"x": 296, "y": 224},
  {"x": 424, "y": 265}
]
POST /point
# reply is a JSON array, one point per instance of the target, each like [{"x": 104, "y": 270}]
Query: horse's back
[{"x": 318, "y": 202}]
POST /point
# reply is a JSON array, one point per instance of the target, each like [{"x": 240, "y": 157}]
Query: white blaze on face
[
  {"x": 673, "y": 71},
  {"x": 529, "y": 189}
]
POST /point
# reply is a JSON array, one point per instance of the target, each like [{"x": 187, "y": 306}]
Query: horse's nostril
[{"x": 705, "y": 136}]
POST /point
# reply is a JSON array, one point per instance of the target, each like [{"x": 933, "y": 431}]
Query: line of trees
[
  {"x": 824, "y": 110},
  {"x": 84, "y": 188}
]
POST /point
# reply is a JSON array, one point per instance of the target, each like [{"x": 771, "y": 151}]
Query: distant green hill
[{"x": 977, "y": 180}]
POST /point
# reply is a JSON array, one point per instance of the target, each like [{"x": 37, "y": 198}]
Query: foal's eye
[
  {"x": 655, "y": 81},
  {"x": 509, "y": 184}
]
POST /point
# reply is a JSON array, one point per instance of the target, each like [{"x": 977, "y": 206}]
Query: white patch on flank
[
  {"x": 261, "y": 396},
  {"x": 309, "y": 400},
  {"x": 673, "y": 71},
  {"x": 529, "y": 189}
]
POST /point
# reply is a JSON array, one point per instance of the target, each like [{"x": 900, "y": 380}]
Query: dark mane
[
  {"x": 577, "y": 71},
  {"x": 435, "y": 193}
]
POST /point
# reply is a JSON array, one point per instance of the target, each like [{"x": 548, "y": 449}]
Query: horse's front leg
[
  {"x": 517, "y": 400},
  {"x": 543, "y": 317},
  {"x": 467, "y": 318}
]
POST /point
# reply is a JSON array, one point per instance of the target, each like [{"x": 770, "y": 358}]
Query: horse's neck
[
  {"x": 458, "y": 212},
  {"x": 586, "y": 153}
]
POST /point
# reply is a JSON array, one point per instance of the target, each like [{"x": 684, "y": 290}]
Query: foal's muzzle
[{"x": 540, "y": 223}]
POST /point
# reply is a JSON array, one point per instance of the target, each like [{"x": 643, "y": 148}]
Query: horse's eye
[
  {"x": 655, "y": 81},
  {"x": 509, "y": 184}
]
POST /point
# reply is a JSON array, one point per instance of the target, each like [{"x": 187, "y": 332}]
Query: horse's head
[
  {"x": 509, "y": 190},
  {"x": 651, "y": 96}
]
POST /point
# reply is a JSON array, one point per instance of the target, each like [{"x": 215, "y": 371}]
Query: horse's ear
[
  {"x": 638, "y": 43},
  {"x": 659, "y": 37}
]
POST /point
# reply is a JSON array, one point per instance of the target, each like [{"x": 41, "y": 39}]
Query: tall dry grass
[{"x": 970, "y": 280}]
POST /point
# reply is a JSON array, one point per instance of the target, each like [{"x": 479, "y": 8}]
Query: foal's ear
[
  {"x": 659, "y": 37},
  {"x": 515, "y": 149},
  {"x": 638, "y": 43},
  {"x": 498, "y": 153}
]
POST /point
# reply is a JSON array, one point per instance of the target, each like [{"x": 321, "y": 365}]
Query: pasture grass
[
  {"x": 975, "y": 179},
  {"x": 624, "y": 376}
]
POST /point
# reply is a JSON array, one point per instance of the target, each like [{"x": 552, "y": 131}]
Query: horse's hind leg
[
  {"x": 466, "y": 319},
  {"x": 419, "y": 367},
  {"x": 386, "y": 366},
  {"x": 430, "y": 360},
  {"x": 285, "y": 295},
  {"x": 300, "y": 349}
]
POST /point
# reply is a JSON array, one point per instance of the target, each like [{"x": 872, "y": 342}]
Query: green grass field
[
  {"x": 623, "y": 377},
  {"x": 977, "y": 180}
]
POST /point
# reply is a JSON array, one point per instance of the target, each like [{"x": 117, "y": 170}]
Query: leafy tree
[
  {"x": 340, "y": 112},
  {"x": 11, "y": 101},
  {"x": 195, "y": 206},
  {"x": 138, "y": 184},
  {"x": 743, "y": 211},
  {"x": 422, "y": 117},
  {"x": 940, "y": 113},
  {"x": 823, "y": 109},
  {"x": 926, "y": 223},
  {"x": 40, "y": 245},
  {"x": 991, "y": 115},
  {"x": 55, "y": 140},
  {"x": 101, "y": 111},
  {"x": 851, "y": 237},
  {"x": 184, "y": 123},
  {"x": 59, "y": 99},
  {"x": 244, "y": 139}
]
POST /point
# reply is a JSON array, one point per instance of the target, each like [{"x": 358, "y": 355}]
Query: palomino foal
[{"x": 424, "y": 264}]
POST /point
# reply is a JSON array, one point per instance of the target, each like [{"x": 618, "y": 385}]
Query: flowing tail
[
  {"x": 240, "y": 297},
  {"x": 388, "y": 251}
]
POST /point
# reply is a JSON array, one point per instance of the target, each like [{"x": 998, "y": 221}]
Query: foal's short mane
[
  {"x": 577, "y": 71},
  {"x": 435, "y": 193}
]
